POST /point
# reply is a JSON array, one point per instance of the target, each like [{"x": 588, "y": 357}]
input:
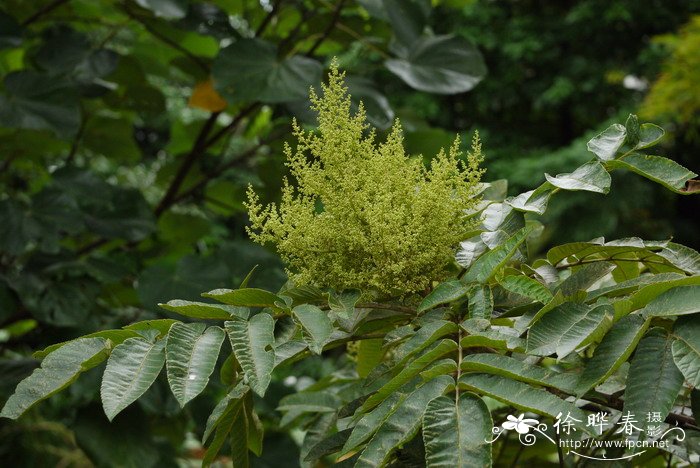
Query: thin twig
[
  {"x": 232, "y": 126},
  {"x": 8, "y": 160},
  {"x": 219, "y": 170},
  {"x": 42, "y": 11},
  {"x": 268, "y": 18},
  {"x": 76, "y": 141},
  {"x": 197, "y": 149},
  {"x": 306, "y": 14},
  {"x": 329, "y": 29},
  {"x": 195, "y": 59}
]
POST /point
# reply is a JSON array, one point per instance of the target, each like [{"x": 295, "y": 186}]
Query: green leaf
[
  {"x": 591, "y": 177},
  {"x": 252, "y": 342},
  {"x": 131, "y": 369},
  {"x": 379, "y": 111},
  {"x": 681, "y": 300},
  {"x": 448, "y": 291},
  {"x": 225, "y": 424},
  {"x": 566, "y": 328},
  {"x": 114, "y": 336},
  {"x": 368, "y": 356},
  {"x": 422, "y": 338},
  {"x": 683, "y": 257},
  {"x": 246, "y": 280},
  {"x": 486, "y": 266},
  {"x": 60, "y": 369},
  {"x": 456, "y": 433},
  {"x": 370, "y": 422},
  {"x": 630, "y": 286},
  {"x": 328, "y": 445},
  {"x": 632, "y": 129},
  {"x": 412, "y": 369},
  {"x": 310, "y": 402},
  {"x": 162, "y": 326},
  {"x": 516, "y": 369},
  {"x": 480, "y": 299},
  {"x": 526, "y": 286},
  {"x": 605, "y": 144},
  {"x": 440, "y": 64},
  {"x": 169, "y": 9},
  {"x": 469, "y": 251},
  {"x": 584, "y": 277},
  {"x": 316, "y": 326},
  {"x": 480, "y": 333},
  {"x": 661, "y": 170},
  {"x": 534, "y": 201},
  {"x": 40, "y": 102},
  {"x": 407, "y": 18},
  {"x": 653, "y": 381},
  {"x": 445, "y": 366},
  {"x": 403, "y": 424},
  {"x": 225, "y": 405},
  {"x": 239, "y": 438},
  {"x": 191, "y": 353},
  {"x": 186, "y": 279},
  {"x": 686, "y": 348},
  {"x": 649, "y": 292},
  {"x": 617, "y": 345},
  {"x": 343, "y": 309},
  {"x": 304, "y": 294},
  {"x": 256, "y": 431},
  {"x": 249, "y": 297},
  {"x": 202, "y": 310},
  {"x": 250, "y": 70},
  {"x": 649, "y": 135},
  {"x": 521, "y": 395}
]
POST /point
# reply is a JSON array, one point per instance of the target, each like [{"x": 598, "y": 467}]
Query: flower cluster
[{"x": 363, "y": 214}]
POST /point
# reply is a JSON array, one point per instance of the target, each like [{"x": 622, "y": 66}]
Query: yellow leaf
[{"x": 204, "y": 96}]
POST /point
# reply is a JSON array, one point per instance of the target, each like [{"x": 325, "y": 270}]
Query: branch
[
  {"x": 42, "y": 11},
  {"x": 197, "y": 149},
  {"x": 234, "y": 123},
  {"x": 198, "y": 61},
  {"x": 224, "y": 167},
  {"x": 266, "y": 21},
  {"x": 306, "y": 14},
  {"x": 329, "y": 29}
]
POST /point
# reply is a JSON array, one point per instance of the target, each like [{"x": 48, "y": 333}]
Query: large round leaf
[
  {"x": 440, "y": 64},
  {"x": 249, "y": 70},
  {"x": 40, "y": 102}
]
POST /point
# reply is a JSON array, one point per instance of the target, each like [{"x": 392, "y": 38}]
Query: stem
[
  {"x": 459, "y": 364},
  {"x": 560, "y": 454},
  {"x": 379, "y": 305},
  {"x": 517, "y": 455}
]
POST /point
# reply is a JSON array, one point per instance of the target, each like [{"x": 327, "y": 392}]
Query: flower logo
[{"x": 520, "y": 424}]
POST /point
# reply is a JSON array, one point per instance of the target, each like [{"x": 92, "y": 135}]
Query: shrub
[
  {"x": 550, "y": 337},
  {"x": 365, "y": 215}
]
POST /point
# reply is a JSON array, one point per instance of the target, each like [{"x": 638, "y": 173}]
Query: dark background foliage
[{"x": 130, "y": 129}]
